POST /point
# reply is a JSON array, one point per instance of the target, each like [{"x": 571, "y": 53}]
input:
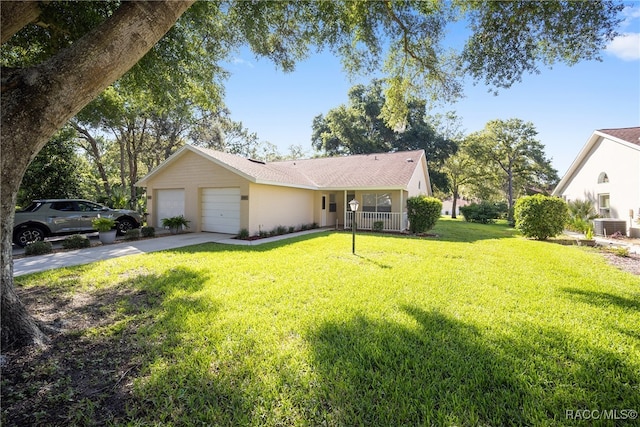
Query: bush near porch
[{"x": 477, "y": 327}]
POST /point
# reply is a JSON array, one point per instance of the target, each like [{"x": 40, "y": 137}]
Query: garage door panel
[
  {"x": 169, "y": 203},
  {"x": 221, "y": 210}
]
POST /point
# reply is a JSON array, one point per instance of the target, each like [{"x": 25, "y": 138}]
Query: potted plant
[
  {"x": 175, "y": 223},
  {"x": 106, "y": 230}
]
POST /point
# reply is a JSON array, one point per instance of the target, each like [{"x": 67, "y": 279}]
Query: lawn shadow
[
  {"x": 600, "y": 299},
  {"x": 445, "y": 372},
  {"x": 438, "y": 373},
  {"x": 374, "y": 262},
  {"x": 84, "y": 375}
]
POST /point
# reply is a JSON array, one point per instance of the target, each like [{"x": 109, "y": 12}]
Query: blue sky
[{"x": 565, "y": 104}]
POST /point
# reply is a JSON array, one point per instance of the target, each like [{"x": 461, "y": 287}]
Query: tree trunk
[
  {"x": 95, "y": 153},
  {"x": 39, "y": 100},
  {"x": 510, "y": 195},
  {"x": 454, "y": 204}
]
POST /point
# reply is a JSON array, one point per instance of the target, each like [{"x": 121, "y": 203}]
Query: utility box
[{"x": 609, "y": 226}]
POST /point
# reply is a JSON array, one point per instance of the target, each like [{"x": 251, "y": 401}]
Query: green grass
[{"x": 476, "y": 327}]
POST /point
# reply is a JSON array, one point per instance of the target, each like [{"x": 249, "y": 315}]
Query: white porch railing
[{"x": 391, "y": 221}]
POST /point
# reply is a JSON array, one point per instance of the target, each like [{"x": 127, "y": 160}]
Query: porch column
[{"x": 344, "y": 224}]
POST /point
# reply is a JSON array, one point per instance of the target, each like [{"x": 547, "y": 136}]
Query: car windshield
[{"x": 33, "y": 206}]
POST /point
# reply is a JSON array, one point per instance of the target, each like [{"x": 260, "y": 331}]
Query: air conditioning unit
[{"x": 609, "y": 226}]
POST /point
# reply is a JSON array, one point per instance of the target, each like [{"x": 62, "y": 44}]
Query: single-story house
[
  {"x": 607, "y": 171},
  {"x": 226, "y": 193}
]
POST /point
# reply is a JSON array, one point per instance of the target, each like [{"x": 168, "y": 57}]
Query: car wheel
[
  {"x": 125, "y": 224},
  {"x": 28, "y": 235}
]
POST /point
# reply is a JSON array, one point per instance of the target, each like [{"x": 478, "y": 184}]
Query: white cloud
[
  {"x": 630, "y": 13},
  {"x": 626, "y": 46},
  {"x": 240, "y": 61}
]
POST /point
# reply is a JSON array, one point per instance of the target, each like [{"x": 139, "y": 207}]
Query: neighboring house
[
  {"x": 447, "y": 206},
  {"x": 607, "y": 171},
  {"x": 225, "y": 193}
]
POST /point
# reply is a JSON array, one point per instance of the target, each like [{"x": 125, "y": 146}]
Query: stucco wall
[
  {"x": 418, "y": 184},
  {"x": 192, "y": 173},
  {"x": 622, "y": 166},
  {"x": 272, "y": 206}
]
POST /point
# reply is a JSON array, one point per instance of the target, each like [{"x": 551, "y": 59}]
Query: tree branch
[{"x": 14, "y": 15}]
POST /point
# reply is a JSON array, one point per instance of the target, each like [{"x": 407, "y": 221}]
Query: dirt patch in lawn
[{"x": 84, "y": 375}]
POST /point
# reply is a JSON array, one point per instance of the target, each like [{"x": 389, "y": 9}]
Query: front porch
[{"x": 390, "y": 221}]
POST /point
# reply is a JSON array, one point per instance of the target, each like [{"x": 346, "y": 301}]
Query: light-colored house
[
  {"x": 225, "y": 193},
  {"x": 607, "y": 171}
]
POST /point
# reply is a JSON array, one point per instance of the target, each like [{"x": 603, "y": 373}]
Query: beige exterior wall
[
  {"x": 193, "y": 173},
  {"x": 272, "y": 206},
  {"x": 622, "y": 167}
]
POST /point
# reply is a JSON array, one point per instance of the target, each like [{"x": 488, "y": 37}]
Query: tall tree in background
[
  {"x": 359, "y": 128},
  {"x": 510, "y": 147},
  {"x": 464, "y": 174},
  {"x": 57, "y": 171},
  {"x": 58, "y": 56}
]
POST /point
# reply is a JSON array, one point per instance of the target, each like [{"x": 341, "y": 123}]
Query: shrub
[
  {"x": 175, "y": 223},
  {"x": 133, "y": 234},
  {"x": 483, "y": 212},
  {"x": 148, "y": 232},
  {"x": 38, "y": 248},
  {"x": 540, "y": 216},
  {"x": 281, "y": 229},
  {"x": 103, "y": 223},
  {"x": 77, "y": 241},
  {"x": 581, "y": 212},
  {"x": 423, "y": 212},
  {"x": 292, "y": 229},
  {"x": 243, "y": 234},
  {"x": 378, "y": 225}
]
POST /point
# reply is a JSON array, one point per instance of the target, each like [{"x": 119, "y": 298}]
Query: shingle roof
[
  {"x": 631, "y": 135},
  {"x": 383, "y": 170}
]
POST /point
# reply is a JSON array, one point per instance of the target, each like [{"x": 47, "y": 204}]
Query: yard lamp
[{"x": 354, "y": 207}]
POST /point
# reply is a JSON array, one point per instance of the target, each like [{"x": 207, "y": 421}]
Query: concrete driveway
[{"x": 34, "y": 264}]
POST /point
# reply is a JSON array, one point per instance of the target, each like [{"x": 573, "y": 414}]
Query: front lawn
[{"x": 475, "y": 327}]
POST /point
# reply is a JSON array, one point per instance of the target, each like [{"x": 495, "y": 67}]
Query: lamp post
[{"x": 354, "y": 207}]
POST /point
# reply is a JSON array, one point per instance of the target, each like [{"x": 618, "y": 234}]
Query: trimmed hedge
[
  {"x": 423, "y": 212},
  {"x": 541, "y": 216},
  {"x": 148, "y": 231},
  {"x": 38, "y": 248},
  {"x": 132, "y": 234},
  {"x": 483, "y": 212},
  {"x": 76, "y": 241}
]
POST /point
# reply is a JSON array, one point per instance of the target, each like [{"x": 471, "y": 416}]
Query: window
[
  {"x": 332, "y": 203},
  {"x": 604, "y": 205},
  {"x": 603, "y": 178},
  {"x": 376, "y": 202},
  {"x": 66, "y": 206},
  {"x": 89, "y": 207}
]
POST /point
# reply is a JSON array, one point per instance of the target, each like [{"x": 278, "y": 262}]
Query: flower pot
[{"x": 107, "y": 237}]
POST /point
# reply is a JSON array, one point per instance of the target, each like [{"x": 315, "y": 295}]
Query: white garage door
[
  {"x": 221, "y": 210},
  {"x": 169, "y": 203}
]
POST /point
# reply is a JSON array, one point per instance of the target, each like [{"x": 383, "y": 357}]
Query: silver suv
[{"x": 44, "y": 218}]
